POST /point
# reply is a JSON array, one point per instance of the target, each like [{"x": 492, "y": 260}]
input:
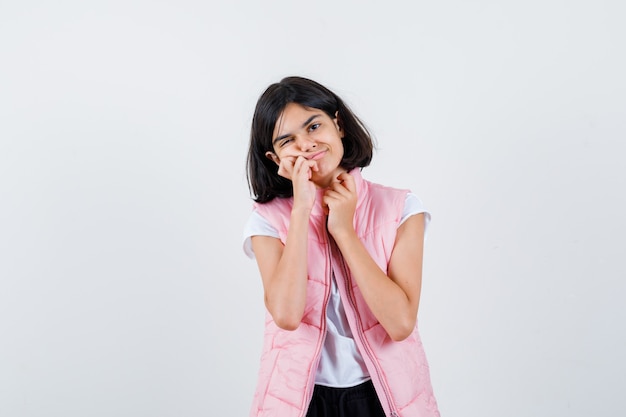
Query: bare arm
[
  {"x": 392, "y": 297},
  {"x": 283, "y": 268},
  {"x": 284, "y": 272}
]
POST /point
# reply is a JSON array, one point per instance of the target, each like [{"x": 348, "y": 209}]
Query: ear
[
  {"x": 338, "y": 124},
  {"x": 273, "y": 157}
]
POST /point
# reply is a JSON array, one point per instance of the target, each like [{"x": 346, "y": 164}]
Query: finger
[
  {"x": 332, "y": 198},
  {"x": 340, "y": 189},
  {"x": 312, "y": 165},
  {"x": 303, "y": 166},
  {"x": 285, "y": 168},
  {"x": 347, "y": 181},
  {"x": 283, "y": 172},
  {"x": 288, "y": 161},
  {"x": 331, "y": 195},
  {"x": 299, "y": 163}
]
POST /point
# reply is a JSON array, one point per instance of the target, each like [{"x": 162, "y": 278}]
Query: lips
[{"x": 317, "y": 155}]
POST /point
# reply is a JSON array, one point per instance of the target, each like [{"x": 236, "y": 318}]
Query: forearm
[
  {"x": 285, "y": 294},
  {"x": 386, "y": 299}
]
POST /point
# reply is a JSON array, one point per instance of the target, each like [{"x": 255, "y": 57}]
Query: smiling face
[{"x": 312, "y": 134}]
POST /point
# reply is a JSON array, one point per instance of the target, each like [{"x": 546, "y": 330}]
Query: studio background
[{"x": 123, "y": 135}]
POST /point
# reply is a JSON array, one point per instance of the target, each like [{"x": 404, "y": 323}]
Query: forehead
[{"x": 293, "y": 116}]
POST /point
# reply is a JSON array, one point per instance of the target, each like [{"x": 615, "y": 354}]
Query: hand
[
  {"x": 340, "y": 203},
  {"x": 299, "y": 170}
]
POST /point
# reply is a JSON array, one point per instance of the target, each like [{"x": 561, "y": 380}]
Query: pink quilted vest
[{"x": 289, "y": 359}]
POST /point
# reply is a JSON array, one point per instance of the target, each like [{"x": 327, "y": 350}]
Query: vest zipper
[
  {"x": 364, "y": 342},
  {"x": 309, "y": 393}
]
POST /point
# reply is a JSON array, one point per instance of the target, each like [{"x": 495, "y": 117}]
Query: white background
[{"x": 123, "y": 136}]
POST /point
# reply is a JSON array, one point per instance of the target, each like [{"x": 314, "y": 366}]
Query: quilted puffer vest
[{"x": 289, "y": 359}]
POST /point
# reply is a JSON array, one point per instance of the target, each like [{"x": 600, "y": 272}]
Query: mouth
[{"x": 317, "y": 155}]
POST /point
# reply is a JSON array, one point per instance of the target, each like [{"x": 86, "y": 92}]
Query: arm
[
  {"x": 392, "y": 297},
  {"x": 283, "y": 271}
]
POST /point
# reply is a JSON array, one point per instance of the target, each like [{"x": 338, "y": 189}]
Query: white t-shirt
[{"x": 341, "y": 365}]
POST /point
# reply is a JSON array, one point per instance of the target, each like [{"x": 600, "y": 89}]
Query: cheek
[
  {"x": 341, "y": 150},
  {"x": 289, "y": 152}
]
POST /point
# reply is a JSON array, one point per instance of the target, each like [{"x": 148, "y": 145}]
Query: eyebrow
[{"x": 309, "y": 120}]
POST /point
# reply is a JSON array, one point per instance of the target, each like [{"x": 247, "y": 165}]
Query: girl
[{"x": 341, "y": 263}]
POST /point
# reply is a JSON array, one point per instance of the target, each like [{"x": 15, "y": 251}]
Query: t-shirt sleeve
[
  {"x": 256, "y": 225},
  {"x": 413, "y": 205}
]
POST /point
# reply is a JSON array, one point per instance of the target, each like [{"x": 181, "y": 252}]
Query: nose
[{"x": 305, "y": 143}]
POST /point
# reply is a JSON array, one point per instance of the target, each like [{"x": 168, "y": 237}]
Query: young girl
[{"x": 341, "y": 263}]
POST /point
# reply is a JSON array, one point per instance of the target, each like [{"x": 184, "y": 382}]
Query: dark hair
[{"x": 262, "y": 173}]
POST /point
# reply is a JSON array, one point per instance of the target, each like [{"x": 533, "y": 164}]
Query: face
[{"x": 312, "y": 134}]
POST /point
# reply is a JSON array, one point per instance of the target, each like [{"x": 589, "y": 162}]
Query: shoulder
[
  {"x": 413, "y": 205},
  {"x": 276, "y": 205},
  {"x": 384, "y": 196},
  {"x": 400, "y": 201},
  {"x": 257, "y": 225},
  {"x": 277, "y": 213},
  {"x": 385, "y": 190}
]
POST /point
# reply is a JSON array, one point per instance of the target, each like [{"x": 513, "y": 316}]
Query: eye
[
  {"x": 285, "y": 142},
  {"x": 314, "y": 126}
]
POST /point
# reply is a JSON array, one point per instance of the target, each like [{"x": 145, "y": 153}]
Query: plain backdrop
[{"x": 123, "y": 135}]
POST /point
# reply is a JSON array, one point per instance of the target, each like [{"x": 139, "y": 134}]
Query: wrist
[
  {"x": 344, "y": 235},
  {"x": 298, "y": 211}
]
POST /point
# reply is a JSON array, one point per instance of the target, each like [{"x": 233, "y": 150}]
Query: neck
[{"x": 323, "y": 183}]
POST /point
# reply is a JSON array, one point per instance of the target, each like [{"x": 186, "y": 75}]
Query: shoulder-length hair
[{"x": 262, "y": 173}]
